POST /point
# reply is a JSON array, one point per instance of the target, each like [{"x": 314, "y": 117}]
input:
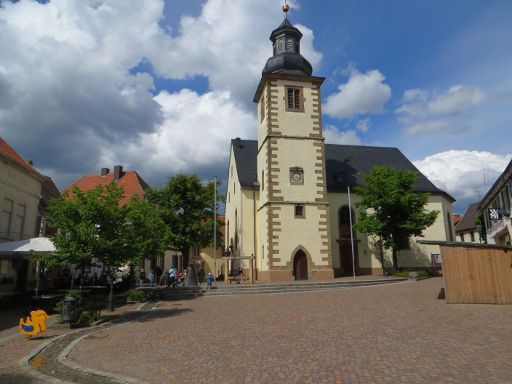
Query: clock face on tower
[{"x": 296, "y": 176}]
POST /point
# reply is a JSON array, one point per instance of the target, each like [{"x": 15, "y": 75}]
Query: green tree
[
  {"x": 94, "y": 226},
  {"x": 148, "y": 235},
  {"x": 391, "y": 210},
  {"x": 186, "y": 206},
  {"x": 480, "y": 225}
]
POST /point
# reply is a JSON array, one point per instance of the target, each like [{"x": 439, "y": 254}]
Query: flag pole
[
  {"x": 215, "y": 230},
  {"x": 351, "y": 234}
]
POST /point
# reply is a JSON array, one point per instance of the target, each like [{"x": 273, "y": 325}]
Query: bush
[
  {"x": 135, "y": 295},
  {"x": 401, "y": 274},
  {"x": 424, "y": 273}
]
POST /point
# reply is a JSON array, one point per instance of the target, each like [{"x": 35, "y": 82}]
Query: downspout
[{"x": 255, "y": 266}]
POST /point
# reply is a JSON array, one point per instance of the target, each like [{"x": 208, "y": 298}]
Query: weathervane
[{"x": 286, "y": 8}]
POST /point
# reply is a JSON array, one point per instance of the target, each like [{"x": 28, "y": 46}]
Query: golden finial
[{"x": 286, "y": 8}]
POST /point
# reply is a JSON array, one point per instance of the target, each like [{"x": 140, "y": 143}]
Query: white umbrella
[{"x": 36, "y": 244}]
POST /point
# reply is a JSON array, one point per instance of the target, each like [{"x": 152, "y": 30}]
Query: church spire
[{"x": 286, "y": 50}]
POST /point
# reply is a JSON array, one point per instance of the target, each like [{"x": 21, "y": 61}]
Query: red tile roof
[
  {"x": 130, "y": 181},
  {"x": 8, "y": 151}
]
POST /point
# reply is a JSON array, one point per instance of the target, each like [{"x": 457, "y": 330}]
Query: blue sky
[{"x": 161, "y": 87}]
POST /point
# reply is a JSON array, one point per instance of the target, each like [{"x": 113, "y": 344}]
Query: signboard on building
[{"x": 495, "y": 214}]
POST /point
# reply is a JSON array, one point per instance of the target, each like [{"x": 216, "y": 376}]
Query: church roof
[{"x": 345, "y": 165}]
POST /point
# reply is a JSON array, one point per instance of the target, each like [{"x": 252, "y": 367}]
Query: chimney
[
  {"x": 118, "y": 172},
  {"x": 104, "y": 171}
]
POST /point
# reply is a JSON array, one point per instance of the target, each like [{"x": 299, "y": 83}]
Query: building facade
[
  {"x": 496, "y": 206},
  {"x": 287, "y": 201},
  {"x": 20, "y": 192},
  {"x": 466, "y": 230}
]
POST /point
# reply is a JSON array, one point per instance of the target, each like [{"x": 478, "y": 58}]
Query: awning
[{"x": 36, "y": 244}]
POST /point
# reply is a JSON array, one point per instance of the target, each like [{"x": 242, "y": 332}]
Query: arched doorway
[
  {"x": 345, "y": 242},
  {"x": 300, "y": 266}
]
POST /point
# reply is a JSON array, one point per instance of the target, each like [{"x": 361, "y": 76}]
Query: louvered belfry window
[{"x": 294, "y": 100}]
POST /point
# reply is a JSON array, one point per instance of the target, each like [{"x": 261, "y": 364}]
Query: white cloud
[
  {"x": 363, "y": 125},
  {"x": 228, "y": 43},
  {"x": 428, "y": 126},
  {"x": 456, "y": 100},
  {"x": 422, "y": 112},
  {"x": 363, "y": 93},
  {"x": 69, "y": 99},
  {"x": 194, "y": 135},
  {"x": 464, "y": 174},
  {"x": 334, "y": 136}
]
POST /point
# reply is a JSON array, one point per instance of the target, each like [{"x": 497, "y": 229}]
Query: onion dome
[{"x": 287, "y": 58}]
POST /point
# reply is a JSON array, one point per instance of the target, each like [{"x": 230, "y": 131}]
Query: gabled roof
[
  {"x": 7, "y": 151},
  {"x": 130, "y": 181},
  {"x": 497, "y": 185},
  {"x": 468, "y": 220},
  {"x": 345, "y": 165}
]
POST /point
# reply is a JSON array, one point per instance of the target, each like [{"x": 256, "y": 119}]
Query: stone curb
[
  {"x": 24, "y": 362},
  {"x": 62, "y": 358}
]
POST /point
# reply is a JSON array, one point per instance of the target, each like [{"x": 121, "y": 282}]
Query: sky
[{"x": 162, "y": 86}]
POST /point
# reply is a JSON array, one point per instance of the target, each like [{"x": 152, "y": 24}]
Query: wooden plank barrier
[{"x": 476, "y": 273}]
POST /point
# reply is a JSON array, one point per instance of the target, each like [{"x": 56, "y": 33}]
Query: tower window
[
  {"x": 290, "y": 46},
  {"x": 299, "y": 211},
  {"x": 294, "y": 99}
]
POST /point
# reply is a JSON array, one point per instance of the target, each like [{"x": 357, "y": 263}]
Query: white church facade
[{"x": 286, "y": 201}]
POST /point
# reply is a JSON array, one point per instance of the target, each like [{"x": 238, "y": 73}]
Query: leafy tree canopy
[
  {"x": 186, "y": 206},
  {"x": 93, "y": 225},
  {"x": 391, "y": 210}
]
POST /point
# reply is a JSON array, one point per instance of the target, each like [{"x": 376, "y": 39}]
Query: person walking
[
  {"x": 172, "y": 276},
  {"x": 176, "y": 278},
  {"x": 209, "y": 280}
]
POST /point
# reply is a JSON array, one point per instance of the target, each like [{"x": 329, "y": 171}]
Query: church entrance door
[
  {"x": 346, "y": 258},
  {"x": 300, "y": 266}
]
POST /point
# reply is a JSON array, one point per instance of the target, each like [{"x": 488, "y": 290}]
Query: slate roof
[
  {"x": 468, "y": 220},
  {"x": 345, "y": 165},
  {"x": 245, "y": 159},
  {"x": 130, "y": 181}
]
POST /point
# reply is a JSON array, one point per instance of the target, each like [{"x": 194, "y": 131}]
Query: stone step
[{"x": 192, "y": 292}]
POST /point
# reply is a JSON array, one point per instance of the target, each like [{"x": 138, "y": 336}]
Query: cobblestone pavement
[
  {"x": 14, "y": 347},
  {"x": 397, "y": 333}
]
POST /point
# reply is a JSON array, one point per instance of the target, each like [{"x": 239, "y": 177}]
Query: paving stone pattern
[{"x": 397, "y": 333}]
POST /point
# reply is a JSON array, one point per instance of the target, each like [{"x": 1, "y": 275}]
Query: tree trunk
[
  {"x": 185, "y": 255},
  {"x": 382, "y": 258},
  {"x": 395, "y": 259},
  {"x": 111, "y": 293}
]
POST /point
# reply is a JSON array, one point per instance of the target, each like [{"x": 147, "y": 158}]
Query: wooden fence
[{"x": 476, "y": 273}]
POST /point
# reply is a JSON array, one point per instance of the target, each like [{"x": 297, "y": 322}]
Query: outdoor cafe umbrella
[{"x": 36, "y": 244}]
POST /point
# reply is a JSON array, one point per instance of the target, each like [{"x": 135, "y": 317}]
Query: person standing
[
  {"x": 142, "y": 277},
  {"x": 151, "y": 278},
  {"x": 209, "y": 281}
]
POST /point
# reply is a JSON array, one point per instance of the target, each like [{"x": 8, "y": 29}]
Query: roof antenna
[{"x": 286, "y": 8}]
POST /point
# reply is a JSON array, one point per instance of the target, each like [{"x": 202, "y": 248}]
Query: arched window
[
  {"x": 344, "y": 222},
  {"x": 450, "y": 227}
]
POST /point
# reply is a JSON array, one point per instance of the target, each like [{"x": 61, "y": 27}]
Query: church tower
[{"x": 293, "y": 211}]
